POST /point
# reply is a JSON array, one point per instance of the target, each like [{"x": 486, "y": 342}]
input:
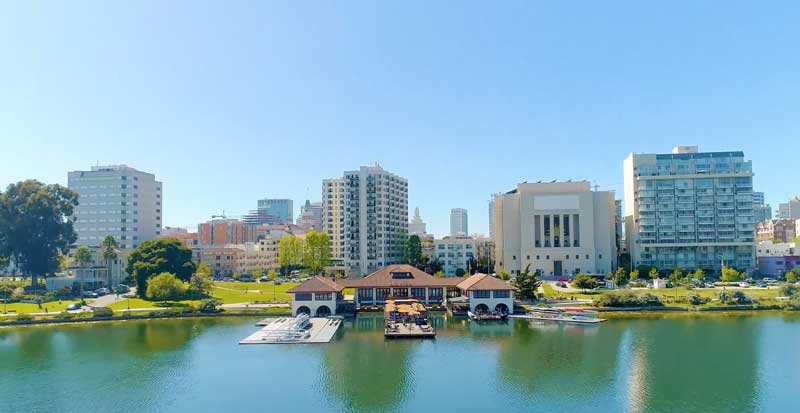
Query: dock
[
  {"x": 294, "y": 330},
  {"x": 400, "y": 330}
]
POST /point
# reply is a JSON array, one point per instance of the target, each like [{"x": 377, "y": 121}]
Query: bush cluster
[
  {"x": 697, "y": 299},
  {"x": 208, "y": 306},
  {"x": 102, "y": 312},
  {"x": 627, "y": 299},
  {"x": 735, "y": 298}
]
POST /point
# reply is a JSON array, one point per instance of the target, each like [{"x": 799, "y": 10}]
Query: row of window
[{"x": 490, "y": 294}]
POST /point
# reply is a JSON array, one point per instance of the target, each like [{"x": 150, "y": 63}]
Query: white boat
[
  {"x": 494, "y": 316},
  {"x": 563, "y": 315}
]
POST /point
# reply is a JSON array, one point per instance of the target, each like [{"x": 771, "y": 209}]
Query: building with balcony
[
  {"x": 117, "y": 201},
  {"x": 556, "y": 228},
  {"x": 455, "y": 253},
  {"x": 220, "y": 232},
  {"x": 689, "y": 209},
  {"x": 310, "y": 216},
  {"x": 333, "y": 218},
  {"x": 374, "y": 218}
]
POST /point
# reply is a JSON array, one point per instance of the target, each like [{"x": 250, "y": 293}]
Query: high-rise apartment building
[
  {"x": 689, "y": 209},
  {"x": 459, "y": 223},
  {"x": 556, "y": 228},
  {"x": 417, "y": 226},
  {"x": 333, "y": 217},
  {"x": 220, "y": 232},
  {"x": 375, "y": 224},
  {"x": 119, "y": 201}
]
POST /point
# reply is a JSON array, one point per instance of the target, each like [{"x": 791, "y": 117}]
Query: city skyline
[{"x": 258, "y": 107}]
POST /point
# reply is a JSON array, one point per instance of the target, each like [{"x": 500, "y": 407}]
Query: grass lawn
[
  {"x": 139, "y": 303},
  {"x": 233, "y": 292},
  {"x": 667, "y": 296},
  {"x": 53, "y": 306}
]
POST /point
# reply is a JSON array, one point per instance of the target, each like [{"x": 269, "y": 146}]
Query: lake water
[{"x": 709, "y": 364}]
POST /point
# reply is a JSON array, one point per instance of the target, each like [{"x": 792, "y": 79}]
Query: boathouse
[
  {"x": 401, "y": 281},
  {"x": 317, "y": 297},
  {"x": 486, "y": 293}
]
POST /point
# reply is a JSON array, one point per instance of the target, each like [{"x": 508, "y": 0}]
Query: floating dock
[
  {"x": 294, "y": 330},
  {"x": 400, "y": 330}
]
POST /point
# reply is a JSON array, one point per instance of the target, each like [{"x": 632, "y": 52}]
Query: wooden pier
[
  {"x": 399, "y": 330},
  {"x": 283, "y": 331}
]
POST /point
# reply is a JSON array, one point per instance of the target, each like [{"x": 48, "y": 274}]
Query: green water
[{"x": 713, "y": 364}]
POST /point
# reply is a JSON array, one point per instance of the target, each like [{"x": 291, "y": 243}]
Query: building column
[{"x": 552, "y": 231}]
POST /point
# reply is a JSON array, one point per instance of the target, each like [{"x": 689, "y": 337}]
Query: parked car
[
  {"x": 102, "y": 291},
  {"x": 769, "y": 280},
  {"x": 122, "y": 288},
  {"x": 561, "y": 284},
  {"x": 228, "y": 279},
  {"x": 74, "y": 306},
  {"x": 128, "y": 295},
  {"x": 263, "y": 279},
  {"x": 744, "y": 284},
  {"x": 89, "y": 294}
]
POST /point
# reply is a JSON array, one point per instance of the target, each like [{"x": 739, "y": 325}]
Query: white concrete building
[
  {"x": 459, "y": 222},
  {"x": 318, "y": 296},
  {"x": 689, "y": 209},
  {"x": 333, "y": 217},
  {"x": 417, "y": 226},
  {"x": 558, "y": 228},
  {"x": 454, "y": 253},
  {"x": 789, "y": 210},
  {"x": 486, "y": 293},
  {"x": 257, "y": 258},
  {"x": 116, "y": 200},
  {"x": 780, "y": 249},
  {"x": 375, "y": 219}
]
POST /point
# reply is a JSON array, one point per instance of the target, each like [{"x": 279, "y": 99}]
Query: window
[
  {"x": 365, "y": 294},
  {"x": 501, "y": 294},
  {"x": 434, "y": 292},
  {"x": 418, "y": 293},
  {"x": 529, "y": 257},
  {"x": 587, "y": 256},
  {"x": 537, "y": 257},
  {"x": 400, "y": 292},
  {"x": 323, "y": 296},
  {"x": 601, "y": 256},
  {"x": 302, "y": 297},
  {"x": 381, "y": 293},
  {"x": 481, "y": 294}
]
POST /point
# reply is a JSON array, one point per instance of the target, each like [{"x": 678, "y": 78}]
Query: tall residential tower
[{"x": 689, "y": 209}]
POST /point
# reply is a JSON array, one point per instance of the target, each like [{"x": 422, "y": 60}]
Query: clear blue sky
[{"x": 228, "y": 102}]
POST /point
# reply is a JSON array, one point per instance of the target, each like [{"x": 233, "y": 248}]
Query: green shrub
[
  {"x": 735, "y": 298},
  {"x": 697, "y": 299},
  {"x": 209, "y": 306},
  {"x": 787, "y": 290},
  {"x": 792, "y": 304},
  {"x": 65, "y": 316},
  {"x": 627, "y": 299},
  {"x": 102, "y": 312},
  {"x": 24, "y": 317}
]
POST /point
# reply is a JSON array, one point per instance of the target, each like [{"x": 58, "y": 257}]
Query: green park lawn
[
  {"x": 53, "y": 307},
  {"x": 233, "y": 292},
  {"x": 667, "y": 296}
]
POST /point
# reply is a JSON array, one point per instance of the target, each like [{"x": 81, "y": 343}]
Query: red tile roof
[
  {"x": 483, "y": 282},
  {"x": 400, "y": 275},
  {"x": 317, "y": 285}
]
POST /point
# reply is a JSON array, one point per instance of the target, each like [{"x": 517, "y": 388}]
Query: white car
[
  {"x": 744, "y": 284},
  {"x": 128, "y": 295}
]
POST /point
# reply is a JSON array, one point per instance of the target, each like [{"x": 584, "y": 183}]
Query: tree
[
  {"x": 109, "y": 249},
  {"x": 203, "y": 270},
  {"x": 634, "y": 275},
  {"x": 434, "y": 266},
  {"x": 157, "y": 256},
  {"x": 504, "y": 275},
  {"x": 584, "y": 282},
  {"x": 200, "y": 283},
  {"x": 676, "y": 277},
  {"x": 165, "y": 286},
  {"x": 317, "y": 251},
  {"x": 527, "y": 284},
  {"x": 791, "y": 275},
  {"x": 414, "y": 250},
  {"x": 620, "y": 277},
  {"x": 460, "y": 272},
  {"x": 699, "y": 274},
  {"x": 272, "y": 275},
  {"x": 653, "y": 274},
  {"x": 439, "y": 274},
  {"x": 82, "y": 258},
  {"x": 35, "y": 226},
  {"x": 290, "y": 252},
  {"x": 729, "y": 274},
  {"x": 472, "y": 265}
]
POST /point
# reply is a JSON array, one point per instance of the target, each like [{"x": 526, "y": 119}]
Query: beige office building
[{"x": 559, "y": 228}]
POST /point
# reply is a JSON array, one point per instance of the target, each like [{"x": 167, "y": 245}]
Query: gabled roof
[
  {"x": 317, "y": 285},
  {"x": 483, "y": 282},
  {"x": 400, "y": 275}
]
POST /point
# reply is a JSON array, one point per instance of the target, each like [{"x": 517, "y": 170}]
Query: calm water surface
[{"x": 720, "y": 364}]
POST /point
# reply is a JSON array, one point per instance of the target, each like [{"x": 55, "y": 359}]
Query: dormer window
[{"x": 401, "y": 275}]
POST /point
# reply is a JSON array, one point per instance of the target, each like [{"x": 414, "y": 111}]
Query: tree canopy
[
  {"x": 791, "y": 275},
  {"x": 317, "y": 251},
  {"x": 165, "y": 286},
  {"x": 157, "y": 256},
  {"x": 584, "y": 282},
  {"x": 729, "y": 274},
  {"x": 82, "y": 256},
  {"x": 414, "y": 250},
  {"x": 621, "y": 279},
  {"x": 527, "y": 284},
  {"x": 290, "y": 252},
  {"x": 36, "y": 226}
]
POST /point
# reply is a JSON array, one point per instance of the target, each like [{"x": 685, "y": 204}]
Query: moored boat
[
  {"x": 490, "y": 316},
  {"x": 563, "y": 315}
]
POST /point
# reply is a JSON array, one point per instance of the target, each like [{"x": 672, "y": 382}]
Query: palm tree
[
  {"x": 110, "y": 252},
  {"x": 82, "y": 258}
]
